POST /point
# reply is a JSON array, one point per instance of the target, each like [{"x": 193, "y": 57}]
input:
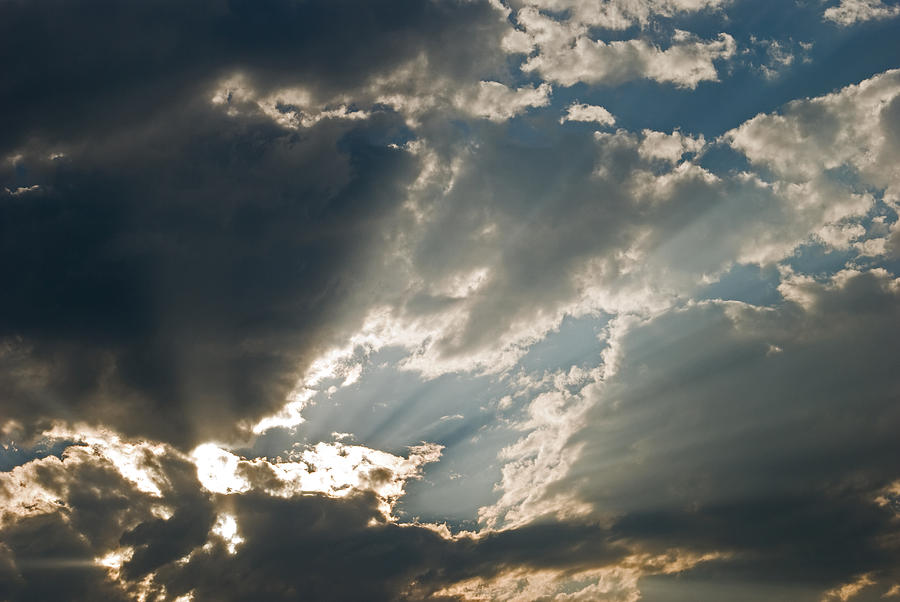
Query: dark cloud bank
[{"x": 176, "y": 267}]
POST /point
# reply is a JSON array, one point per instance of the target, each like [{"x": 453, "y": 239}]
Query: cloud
[
  {"x": 496, "y": 102},
  {"x": 850, "y": 127},
  {"x": 849, "y": 12},
  {"x": 213, "y": 218},
  {"x": 115, "y": 67},
  {"x": 700, "y": 434},
  {"x": 780, "y": 56},
  {"x": 336, "y": 470},
  {"x": 568, "y": 55},
  {"x": 100, "y": 534},
  {"x": 589, "y": 113},
  {"x": 209, "y": 251},
  {"x": 628, "y": 211},
  {"x": 187, "y": 225},
  {"x": 171, "y": 281},
  {"x": 668, "y": 147},
  {"x": 622, "y": 14}
]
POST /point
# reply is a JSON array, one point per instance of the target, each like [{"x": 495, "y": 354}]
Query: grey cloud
[
  {"x": 49, "y": 553},
  {"x": 307, "y": 546},
  {"x": 172, "y": 282},
  {"x": 301, "y": 546},
  {"x": 765, "y": 433},
  {"x": 568, "y": 222},
  {"x": 90, "y": 66},
  {"x": 170, "y": 266},
  {"x": 49, "y": 560}
]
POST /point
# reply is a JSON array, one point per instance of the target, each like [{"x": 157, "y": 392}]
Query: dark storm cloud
[
  {"x": 45, "y": 558},
  {"x": 768, "y": 434},
  {"x": 172, "y": 272},
  {"x": 321, "y": 548},
  {"x": 814, "y": 541},
  {"x": 172, "y": 283},
  {"x": 90, "y": 65},
  {"x": 50, "y": 553},
  {"x": 309, "y": 546}
]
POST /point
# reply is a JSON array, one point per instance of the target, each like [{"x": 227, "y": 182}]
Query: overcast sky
[{"x": 570, "y": 300}]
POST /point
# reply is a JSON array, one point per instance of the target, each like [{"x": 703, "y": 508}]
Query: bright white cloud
[
  {"x": 806, "y": 145},
  {"x": 621, "y": 14},
  {"x": 849, "y": 12},
  {"x": 541, "y": 457},
  {"x": 292, "y": 108},
  {"x": 851, "y": 127},
  {"x": 334, "y": 469},
  {"x": 568, "y": 55},
  {"x": 226, "y": 527},
  {"x": 588, "y": 113},
  {"x": 497, "y": 102},
  {"x": 668, "y": 147}
]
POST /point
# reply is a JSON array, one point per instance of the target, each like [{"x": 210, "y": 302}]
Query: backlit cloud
[{"x": 443, "y": 300}]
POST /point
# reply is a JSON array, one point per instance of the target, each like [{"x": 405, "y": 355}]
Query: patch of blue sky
[
  {"x": 11, "y": 455},
  {"x": 721, "y": 158},
  {"x": 390, "y": 409},
  {"x": 577, "y": 342},
  {"x": 749, "y": 283},
  {"x": 743, "y": 89},
  {"x": 822, "y": 261},
  {"x": 819, "y": 260}
]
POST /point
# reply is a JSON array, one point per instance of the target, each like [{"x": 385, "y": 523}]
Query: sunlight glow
[
  {"x": 333, "y": 469},
  {"x": 226, "y": 527}
]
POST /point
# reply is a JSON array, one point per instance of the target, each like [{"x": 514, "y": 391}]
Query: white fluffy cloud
[
  {"x": 848, "y": 12},
  {"x": 669, "y": 147},
  {"x": 811, "y": 146},
  {"x": 568, "y": 55},
  {"x": 854, "y": 127},
  {"x": 333, "y": 469},
  {"x": 497, "y": 102},
  {"x": 621, "y": 14}
]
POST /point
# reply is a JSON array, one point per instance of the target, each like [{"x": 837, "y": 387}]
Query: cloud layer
[{"x": 448, "y": 300}]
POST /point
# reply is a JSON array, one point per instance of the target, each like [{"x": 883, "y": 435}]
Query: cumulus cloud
[
  {"x": 621, "y": 14},
  {"x": 850, "y": 127},
  {"x": 589, "y": 113},
  {"x": 494, "y": 101},
  {"x": 210, "y": 242},
  {"x": 849, "y": 12},
  {"x": 629, "y": 212},
  {"x": 568, "y": 55},
  {"x": 668, "y": 147},
  {"x": 100, "y": 535}
]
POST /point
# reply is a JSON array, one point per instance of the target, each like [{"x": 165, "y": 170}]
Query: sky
[{"x": 453, "y": 300}]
